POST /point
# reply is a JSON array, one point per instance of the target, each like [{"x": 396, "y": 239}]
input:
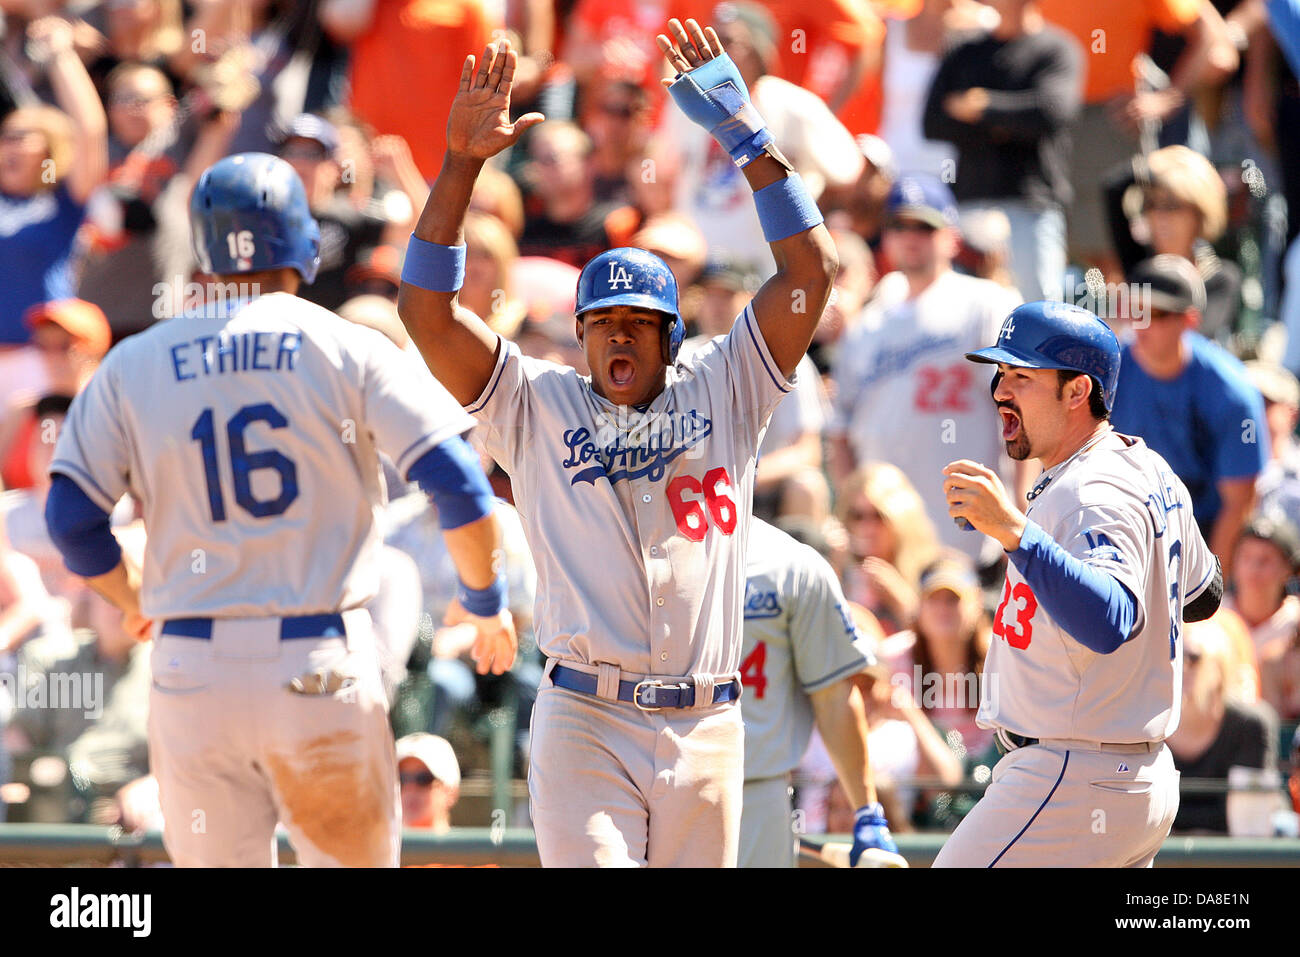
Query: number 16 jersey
[
  {"x": 1119, "y": 508},
  {"x": 249, "y": 436}
]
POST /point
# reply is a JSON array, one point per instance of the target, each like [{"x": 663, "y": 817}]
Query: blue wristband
[
  {"x": 785, "y": 208},
  {"x": 433, "y": 267},
  {"x": 484, "y": 602}
]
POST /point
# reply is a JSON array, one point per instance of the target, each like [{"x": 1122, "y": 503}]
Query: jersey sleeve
[
  {"x": 406, "y": 408},
  {"x": 1196, "y": 571},
  {"x": 1113, "y": 538},
  {"x": 92, "y": 449},
  {"x": 825, "y": 644},
  {"x": 755, "y": 382},
  {"x": 502, "y": 407}
]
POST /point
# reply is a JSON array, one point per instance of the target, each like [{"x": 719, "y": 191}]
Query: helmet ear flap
[{"x": 993, "y": 385}]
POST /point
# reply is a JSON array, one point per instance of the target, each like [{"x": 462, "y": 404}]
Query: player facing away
[
  {"x": 801, "y": 653},
  {"x": 1082, "y": 681},
  {"x": 634, "y": 484},
  {"x": 248, "y": 430}
]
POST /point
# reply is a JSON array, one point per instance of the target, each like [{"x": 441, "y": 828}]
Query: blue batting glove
[
  {"x": 871, "y": 836},
  {"x": 714, "y": 96}
]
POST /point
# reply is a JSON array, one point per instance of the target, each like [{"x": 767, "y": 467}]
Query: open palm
[{"x": 479, "y": 124}]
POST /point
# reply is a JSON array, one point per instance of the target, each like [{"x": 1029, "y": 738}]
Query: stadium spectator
[
  {"x": 1277, "y": 490},
  {"x": 985, "y": 250},
  {"x": 100, "y": 729},
  {"x": 1191, "y": 401},
  {"x": 904, "y": 392},
  {"x": 310, "y": 146},
  {"x": 614, "y": 39},
  {"x": 939, "y": 660},
  {"x": 1182, "y": 205},
  {"x": 914, "y": 45},
  {"x": 616, "y": 116},
  {"x": 377, "y": 272},
  {"x": 1263, "y": 569},
  {"x": 854, "y": 284},
  {"x": 891, "y": 540},
  {"x": 51, "y": 160},
  {"x": 562, "y": 217},
  {"x": 430, "y": 782},
  {"x": 1214, "y": 732},
  {"x": 409, "y": 45},
  {"x": 496, "y": 194},
  {"x": 490, "y": 256},
  {"x": 861, "y": 206},
  {"x": 711, "y": 190},
  {"x": 1117, "y": 107},
  {"x": 1005, "y": 100}
]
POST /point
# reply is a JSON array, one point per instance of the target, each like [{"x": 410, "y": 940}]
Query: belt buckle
[{"x": 636, "y": 694}]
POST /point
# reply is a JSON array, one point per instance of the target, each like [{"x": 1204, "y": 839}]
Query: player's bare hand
[
  {"x": 479, "y": 125},
  {"x": 977, "y": 494},
  {"x": 688, "y": 47},
  {"x": 137, "y": 625},
  {"x": 494, "y": 648}
]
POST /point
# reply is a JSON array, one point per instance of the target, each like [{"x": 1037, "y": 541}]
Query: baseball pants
[
  {"x": 766, "y": 832},
  {"x": 235, "y": 750},
  {"x": 1057, "y": 807},
  {"x": 613, "y": 786}
]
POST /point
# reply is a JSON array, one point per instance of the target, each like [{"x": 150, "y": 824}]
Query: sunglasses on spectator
[
  {"x": 17, "y": 136},
  {"x": 1165, "y": 314},
  {"x": 1163, "y": 206},
  {"x": 623, "y": 111},
  {"x": 909, "y": 226},
  {"x": 423, "y": 778},
  {"x": 1192, "y": 657},
  {"x": 131, "y": 101},
  {"x": 863, "y": 515}
]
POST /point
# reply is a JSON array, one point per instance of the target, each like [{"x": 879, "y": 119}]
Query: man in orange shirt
[
  {"x": 1113, "y": 33},
  {"x": 415, "y": 46}
]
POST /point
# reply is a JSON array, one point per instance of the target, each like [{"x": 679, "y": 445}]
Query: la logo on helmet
[{"x": 617, "y": 275}]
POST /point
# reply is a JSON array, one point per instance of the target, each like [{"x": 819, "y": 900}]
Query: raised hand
[
  {"x": 479, "y": 125},
  {"x": 693, "y": 46}
]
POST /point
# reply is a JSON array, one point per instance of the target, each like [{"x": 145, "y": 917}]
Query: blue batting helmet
[
  {"x": 627, "y": 276},
  {"x": 1057, "y": 335},
  {"x": 249, "y": 212}
]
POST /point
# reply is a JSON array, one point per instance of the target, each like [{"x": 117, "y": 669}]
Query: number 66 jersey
[
  {"x": 246, "y": 433},
  {"x": 1118, "y": 507}
]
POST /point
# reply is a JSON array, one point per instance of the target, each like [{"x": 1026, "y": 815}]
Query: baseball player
[
  {"x": 800, "y": 654},
  {"x": 634, "y": 484},
  {"x": 248, "y": 430},
  {"x": 1082, "y": 682}
]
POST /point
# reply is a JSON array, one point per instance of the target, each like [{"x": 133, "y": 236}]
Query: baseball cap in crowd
[
  {"x": 83, "y": 321},
  {"x": 1274, "y": 382},
  {"x": 1169, "y": 283},
  {"x": 922, "y": 197},
  {"x": 309, "y": 126},
  {"x": 951, "y": 574},
  {"x": 729, "y": 274},
  {"x": 1281, "y": 534},
  {"x": 380, "y": 265},
  {"x": 434, "y": 753}
]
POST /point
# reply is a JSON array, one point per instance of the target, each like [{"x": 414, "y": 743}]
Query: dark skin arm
[
  {"x": 790, "y": 304},
  {"x": 457, "y": 345}
]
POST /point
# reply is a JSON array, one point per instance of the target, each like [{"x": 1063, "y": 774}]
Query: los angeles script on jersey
[
  {"x": 761, "y": 602},
  {"x": 643, "y": 446}
]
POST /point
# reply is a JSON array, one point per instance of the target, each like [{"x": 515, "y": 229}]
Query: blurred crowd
[{"x": 1138, "y": 159}]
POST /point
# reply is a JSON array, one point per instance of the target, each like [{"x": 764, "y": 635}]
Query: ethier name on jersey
[
  {"x": 235, "y": 352},
  {"x": 642, "y": 447}
]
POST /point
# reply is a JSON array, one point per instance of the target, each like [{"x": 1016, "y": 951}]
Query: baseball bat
[{"x": 836, "y": 854}]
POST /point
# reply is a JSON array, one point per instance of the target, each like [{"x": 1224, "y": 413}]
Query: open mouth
[
  {"x": 1010, "y": 424},
  {"x": 621, "y": 372}
]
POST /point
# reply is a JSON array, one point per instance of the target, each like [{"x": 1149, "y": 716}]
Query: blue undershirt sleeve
[
  {"x": 79, "y": 529},
  {"x": 451, "y": 475}
]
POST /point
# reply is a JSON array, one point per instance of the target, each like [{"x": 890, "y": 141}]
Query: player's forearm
[
  {"x": 476, "y": 552},
  {"x": 120, "y": 586},
  {"x": 443, "y": 218},
  {"x": 842, "y": 722}
]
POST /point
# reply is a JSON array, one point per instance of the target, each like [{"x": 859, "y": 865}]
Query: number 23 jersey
[
  {"x": 249, "y": 435},
  {"x": 1119, "y": 508}
]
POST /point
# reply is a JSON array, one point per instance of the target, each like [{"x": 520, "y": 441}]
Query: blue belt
[
  {"x": 295, "y": 626},
  {"x": 648, "y": 695}
]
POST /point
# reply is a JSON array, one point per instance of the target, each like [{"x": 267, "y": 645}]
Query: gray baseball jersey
[
  {"x": 240, "y": 436},
  {"x": 903, "y": 382},
  {"x": 1118, "y": 507},
  {"x": 799, "y": 638},
  {"x": 637, "y": 519}
]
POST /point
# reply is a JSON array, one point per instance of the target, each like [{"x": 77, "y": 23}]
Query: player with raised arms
[{"x": 634, "y": 484}]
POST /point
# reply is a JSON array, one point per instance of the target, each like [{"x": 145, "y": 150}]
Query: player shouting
[
  {"x": 634, "y": 484},
  {"x": 1082, "y": 680}
]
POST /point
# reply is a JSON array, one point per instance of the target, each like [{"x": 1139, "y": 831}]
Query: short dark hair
[
  {"x": 52, "y": 404},
  {"x": 1096, "y": 402}
]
